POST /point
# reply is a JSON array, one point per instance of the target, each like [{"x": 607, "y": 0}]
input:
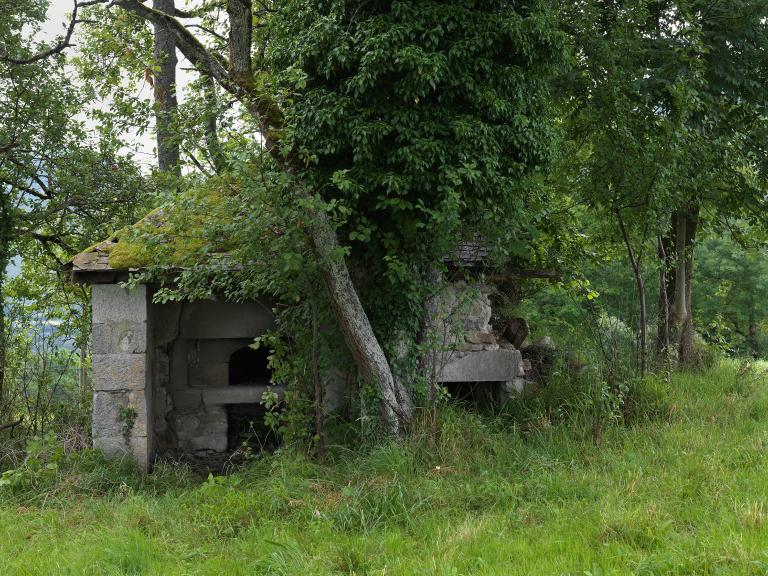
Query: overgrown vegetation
[{"x": 678, "y": 490}]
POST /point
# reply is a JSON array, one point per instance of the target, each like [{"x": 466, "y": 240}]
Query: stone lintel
[
  {"x": 186, "y": 399},
  {"x": 483, "y": 366},
  {"x": 222, "y": 395}
]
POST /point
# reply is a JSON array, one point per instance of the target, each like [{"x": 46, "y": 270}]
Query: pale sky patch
[{"x": 58, "y": 15}]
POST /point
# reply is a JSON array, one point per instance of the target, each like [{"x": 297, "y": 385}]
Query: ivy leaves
[{"x": 423, "y": 118}]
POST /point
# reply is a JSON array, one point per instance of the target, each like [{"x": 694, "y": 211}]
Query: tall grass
[{"x": 678, "y": 490}]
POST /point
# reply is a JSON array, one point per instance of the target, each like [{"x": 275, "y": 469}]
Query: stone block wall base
[
  {"x": 201, "y": 429},
  {"x": 138, "y": 448}
]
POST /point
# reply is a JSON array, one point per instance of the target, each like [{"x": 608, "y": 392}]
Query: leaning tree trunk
[
  {"x": 166, "y": 104},
  {"x": 395, "y": 408}
]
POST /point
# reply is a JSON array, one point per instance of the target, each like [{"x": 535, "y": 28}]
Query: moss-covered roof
[{"x": 176, "y": 234}]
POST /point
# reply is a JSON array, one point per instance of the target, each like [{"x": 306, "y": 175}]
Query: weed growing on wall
[{"x": 127, "y": 415}]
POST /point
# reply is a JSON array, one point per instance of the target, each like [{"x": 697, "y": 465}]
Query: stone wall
[
  {"x": 122, "y": 372},
  {"x": 161, "y": 371}
]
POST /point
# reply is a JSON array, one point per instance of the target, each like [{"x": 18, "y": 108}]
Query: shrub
[
  {"x": 50, "y": 473},
  {"x": 705, "y": 355},
  {"x": 590, "y": 398}
]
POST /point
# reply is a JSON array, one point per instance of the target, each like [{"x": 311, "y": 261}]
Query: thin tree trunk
[
  {"x": 663, "y": 338},
  {"x": 166, "y": 105},
  {"x": 319, "y": 416},
  {"x": 6, "y": 235},
  {"x": 640, "y": 294},
  {"x": 752, "y": 335},
  {"x": 687, "y": 333},
  {"x": 3, "y": 339},
  {"x": 680, "y": 307},
  {"x": 211, "y": 126}
]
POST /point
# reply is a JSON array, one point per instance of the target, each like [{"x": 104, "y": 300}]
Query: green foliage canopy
[{"x": 419, "y": 121}]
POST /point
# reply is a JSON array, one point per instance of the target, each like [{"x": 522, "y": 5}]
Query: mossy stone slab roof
[{"x": 174, "y": 235}]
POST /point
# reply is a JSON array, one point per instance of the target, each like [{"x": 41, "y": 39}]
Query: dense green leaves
[{"x": 420, "y": 119}]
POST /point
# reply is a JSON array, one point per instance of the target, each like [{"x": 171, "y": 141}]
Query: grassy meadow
[{"x": 684, "y": 491}]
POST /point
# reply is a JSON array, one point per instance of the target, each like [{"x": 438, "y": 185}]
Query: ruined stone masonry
[{"x": 469, "y": 349}]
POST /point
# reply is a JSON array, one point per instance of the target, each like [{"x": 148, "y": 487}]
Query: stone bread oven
[
  {"x": 167, "y": 376},
  {"x": 180, "y": 378}
]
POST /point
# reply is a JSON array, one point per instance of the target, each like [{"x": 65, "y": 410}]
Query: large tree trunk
[
  {"x": 166, "y": 105},
  {"x": 675, "y": 292},
  {"x": 240, "y": 14}
]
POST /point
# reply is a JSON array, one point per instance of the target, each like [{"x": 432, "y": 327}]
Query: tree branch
[
  {"x": 26, "y": 189},
  {"x": 56, "y": 49},
  {"x": 240, "y": 82},
  {"x": 11, "y": 424},
  {"x": 207, "y": 31},
  {"x": 189, "y": 45}
]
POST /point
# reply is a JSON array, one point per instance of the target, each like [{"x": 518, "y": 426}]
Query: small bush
[
  {"x": 587, "y": 399},
  {"x": 49, "y": 473},
  {"x": 705, "y": 355},
  {"x": 565, "y": 395}
]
